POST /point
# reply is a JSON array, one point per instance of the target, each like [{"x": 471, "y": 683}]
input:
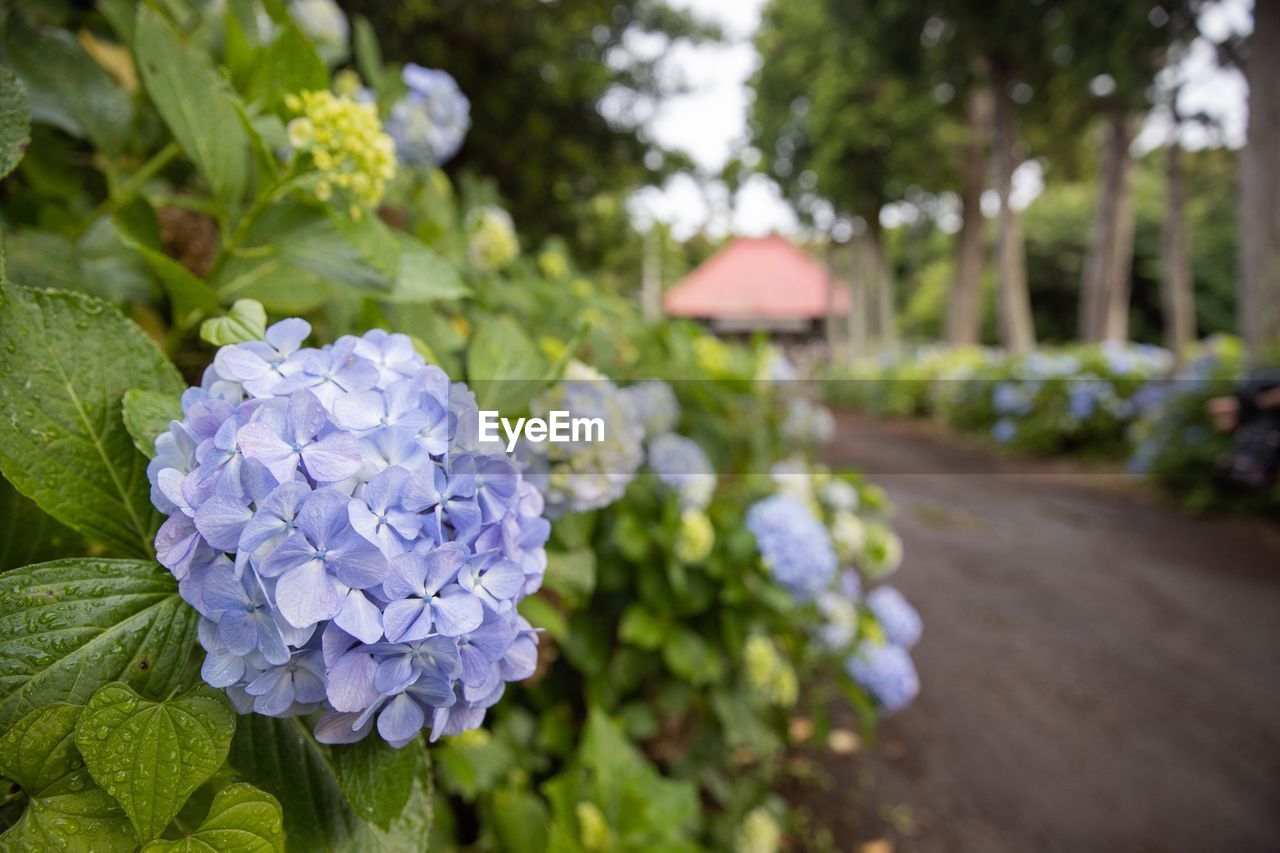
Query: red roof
[{"x": 756, "y": 277}]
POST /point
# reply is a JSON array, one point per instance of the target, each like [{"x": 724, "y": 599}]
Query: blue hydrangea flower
[
  {"x": 430, "y": 121},
  {"x": 1004, "y": 430},
  {"x": 578, "y": 476},
  {"x": 653, "y": 405},
  {"x": 898, "y": 619},
  {"x": 886, "y": 672},
  {"x": 1011, "y": 398},
  {"x": 795, "y": 545},
  {"x": 350, "y": 546},
  {"x": 682, "y": 466}
]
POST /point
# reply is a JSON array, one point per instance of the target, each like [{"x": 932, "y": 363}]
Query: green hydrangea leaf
[
  {"x": 190, "y": 297},
  {"x": 77, "y": 821},
  {"x": 65, "y": 363},
  {"x": 191, "y": 98},
  {"x": 147, "y": 414},
  {"x": 15, "y": 121},
  {"x": 40, "y": 749},
  {"x": 151, "y": 756},
  {"x": 241, "y": 819},
  {"x": 66, "y": 88},
  {"x": 376, "y": 778},
  {"x": 27, "y": 533},
  {"x": 68, "y": 627},
  {"x": 65, "y": 809},
  {"x": 246, "y": 321},
  {"x": 283, "y": 758},
  {"x": 504, "y": 366}
]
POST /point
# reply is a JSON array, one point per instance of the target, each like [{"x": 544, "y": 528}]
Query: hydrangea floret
[
  {"x": 887, "y": 673},
  {"x": 682, "y": 466},
  {"x": 350, "y": 545},
  {"x": 430, "y": 121},
  {"x": 653, "y": 405}
]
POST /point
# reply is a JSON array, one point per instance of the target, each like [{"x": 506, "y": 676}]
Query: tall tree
[
  {"x": 845, "y": 123},
  {"x": 537, "y": 74},
  {"x": 1259, "y": 297},
  {"x": 964, "y": 308}
]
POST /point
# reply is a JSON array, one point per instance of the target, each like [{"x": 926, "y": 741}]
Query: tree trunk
[
  {"x": 1258, "y": 303},
  {"x": 1177, "y": 298},
  {"x": 1104, "y": 285},
  {"x": 651, "y": 276},
  {"x": 881, "y": 276},
  {"x": 1017, "y": 331},
  {"x": 832, "y": 327},
  {"x": 857, "y": 317},
  {"x": 964, "y": 315}
]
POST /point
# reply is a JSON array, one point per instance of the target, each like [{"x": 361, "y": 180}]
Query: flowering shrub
[
  {"x": 1078, "y": 399},
  {"x": 259, "y": 599}
]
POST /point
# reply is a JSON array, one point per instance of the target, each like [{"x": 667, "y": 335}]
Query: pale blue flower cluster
[
  {"x": 653, "y": 405},
  {"x": 431, "y": 120},
  {"x": 351, "y": 546},
  {"x": 1013, "y": 398},
  {"x": 898, "y": 619},
  {"x": 587, "y": 474},
  {"x": 795, "y": 545},
  {"x": 682, "y": 466},
  {"x": 887, "y": 673}
]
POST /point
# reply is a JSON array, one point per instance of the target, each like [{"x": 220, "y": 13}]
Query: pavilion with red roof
[{"x": 759, "y": 284}]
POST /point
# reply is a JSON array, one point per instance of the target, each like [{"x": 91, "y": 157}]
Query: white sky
[{"x": 710, "y": 122}]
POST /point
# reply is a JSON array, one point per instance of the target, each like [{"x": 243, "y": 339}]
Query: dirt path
[{"x": 1100, "y": 671}]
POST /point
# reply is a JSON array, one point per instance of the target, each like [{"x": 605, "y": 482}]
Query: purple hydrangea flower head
[
  {"x": 349, "y": 546},
  {"x": 898, "y": 619},
  {"x": 886, "y": 672},
  {"x": 431, "y": 120},
  {"x": 795, "y": 545}
]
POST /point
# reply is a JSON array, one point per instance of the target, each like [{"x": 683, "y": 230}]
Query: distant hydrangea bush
[
  {"x": 653, "y": 405},
  {"x": 492, "y": 242},
  {"x": 794, "y": 545},
  {"x": 578, "y": 476},
  {"x": 351, "y": 546},
  {"x": 321, "y": 21},
  {"x": 430, "y": 121},
  {"x": 682, "y": 466}
]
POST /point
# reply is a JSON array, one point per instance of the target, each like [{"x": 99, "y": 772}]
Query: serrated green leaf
[
  {"x": 504, "y": 366},
  {"x": 241, "y": 819},
  {"x": 27, "y": 533},
  {"x": 15, "y": 120},
  {"x": 70, "y": 626},
  {"x": 66, "y": 88},
  {"x": 246, "y": 321},
  {"x": 376, "y": 778},
  {"x": 283, "y": 758},
  {"x": 40, "y": 749},
  {"x": 191, "y": 98},
  {"x": 65, "y": 364},
  {"x": 147, "y": 414},
  {"x": 150, "y": 756}
]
